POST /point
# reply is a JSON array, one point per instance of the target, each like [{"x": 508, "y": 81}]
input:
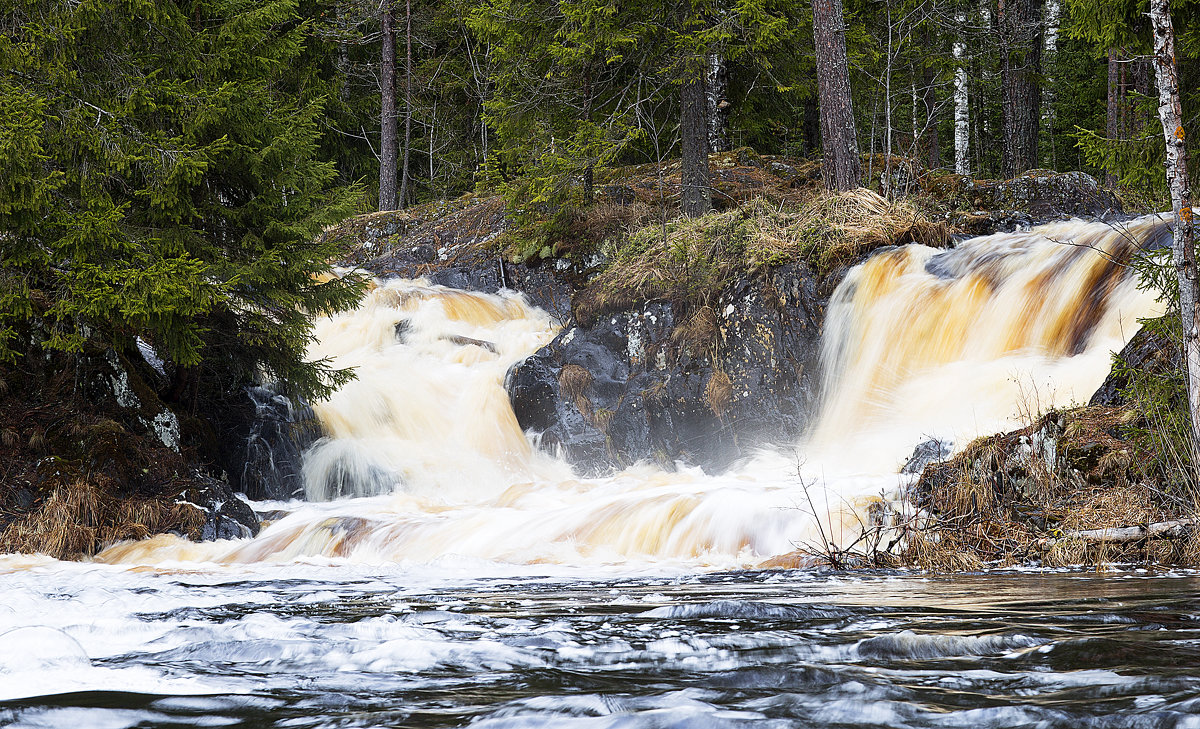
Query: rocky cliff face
[
  {"x": 670, "y": 373},
  {"x": 642, "y": 384}
]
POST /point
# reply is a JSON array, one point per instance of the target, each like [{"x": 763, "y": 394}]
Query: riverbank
[{"x": 683, "y": 343}]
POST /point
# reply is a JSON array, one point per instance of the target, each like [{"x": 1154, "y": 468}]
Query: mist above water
[{"x": 424, "y": 460}]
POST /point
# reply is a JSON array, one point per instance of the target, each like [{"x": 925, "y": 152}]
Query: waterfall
[
  {"x": 977, "y": 339},
  {"x": 423, "y": 459}
]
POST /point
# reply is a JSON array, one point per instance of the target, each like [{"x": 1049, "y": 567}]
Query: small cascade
[
  {"x": 422, "y": 458},
  {"x": 427, "y": 413},
  {"x": 976, "y": 339}
]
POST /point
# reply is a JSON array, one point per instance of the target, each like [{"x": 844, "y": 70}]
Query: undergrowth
[{"x": 688, "y": 262}]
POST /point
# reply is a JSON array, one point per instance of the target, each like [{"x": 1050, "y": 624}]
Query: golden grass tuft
[
  {"x": 82, "y": 517},
  {"x": 573, "y": 380},
  {"x": 699, "y": 333},
  {"x": 718, "y": 393}
]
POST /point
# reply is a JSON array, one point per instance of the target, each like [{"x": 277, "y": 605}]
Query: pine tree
[{"x": 842, "y": 169}]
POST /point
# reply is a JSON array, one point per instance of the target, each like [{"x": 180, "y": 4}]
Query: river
[
  {"x": 446, "y": 571},
  {"x": 448, "y": 645}
]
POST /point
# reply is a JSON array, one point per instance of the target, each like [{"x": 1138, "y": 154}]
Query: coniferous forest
[
  {"x": 166, "y": 168},
  {"x": 185, "y": 153}
]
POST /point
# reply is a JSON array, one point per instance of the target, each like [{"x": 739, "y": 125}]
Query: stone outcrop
[
  {"x": 1150, "y": 352},
  {"x": 643, "y": 385},
  {"x": 1038, "y": 196}
]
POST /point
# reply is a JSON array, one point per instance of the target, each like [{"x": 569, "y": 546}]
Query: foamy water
[
  {"x": 919, "y": 343},
  {"x": 449, "y": 573}
]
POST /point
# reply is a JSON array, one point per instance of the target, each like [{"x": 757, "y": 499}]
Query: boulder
[
  {"x": 988, "y": 206},
  {"x": 226, "y": 516},
  {"x": 1150, "y": 351},
  {"x": 703, "y": 388}
]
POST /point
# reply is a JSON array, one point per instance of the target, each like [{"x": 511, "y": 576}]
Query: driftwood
[{"x": 1124, "y": 535}]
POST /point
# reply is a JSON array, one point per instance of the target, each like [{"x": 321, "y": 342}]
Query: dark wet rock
[
  {"x": 930, "y": 451},
  {"x": 254, "y": 439},
  {"x": 988, "y": 206},
  {"x": 273, "y": 442},
  {"x": 448, "y": 245},
  {"x": 1150, "y": 351},
  {"x": 226, "y": 516},
  {"x": 471, "y": 342},
  {"x": 703, "y": 389}
]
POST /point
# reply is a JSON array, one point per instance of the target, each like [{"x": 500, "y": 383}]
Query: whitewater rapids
[{"x": 423, "y": 458}]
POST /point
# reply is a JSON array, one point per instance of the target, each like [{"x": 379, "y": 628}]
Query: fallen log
[{"x": 1124, "y": 535}]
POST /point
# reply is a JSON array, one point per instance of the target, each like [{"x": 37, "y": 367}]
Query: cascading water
[
  {"x": 459, "y": 576},
  {"x": 919, "y": 343},
  {"x": 965, "y": 342}
]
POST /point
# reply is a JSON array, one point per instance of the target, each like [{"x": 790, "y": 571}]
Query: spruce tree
[{"x": 161, "y": 181}]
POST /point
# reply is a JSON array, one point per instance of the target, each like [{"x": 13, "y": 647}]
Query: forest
[
  {"x": 184, "y": 148},
  {"x": 168, "y": 167}
]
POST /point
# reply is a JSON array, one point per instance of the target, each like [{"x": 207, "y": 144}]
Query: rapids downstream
[{"x": 446, "y": 571}]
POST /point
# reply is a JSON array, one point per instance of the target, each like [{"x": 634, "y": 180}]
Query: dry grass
[
  {"x": 718, "y": 393},
  {"x": 834, "y": 230},
  {"x": 80, "y": 518},
  {"x": 573, "y": 382},
  {"x": 1001, "y": 501},
  {"x": 689, "y": 261},
  {"x": 73, "y": 479}
]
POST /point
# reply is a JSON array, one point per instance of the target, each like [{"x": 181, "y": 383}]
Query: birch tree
[{"x": 1170, "y": 112}]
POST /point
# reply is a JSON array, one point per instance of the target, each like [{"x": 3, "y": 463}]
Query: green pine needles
[{"x": 159, "y": 178}]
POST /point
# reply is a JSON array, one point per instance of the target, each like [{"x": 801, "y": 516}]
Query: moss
[{"x": 688, "y": 262}]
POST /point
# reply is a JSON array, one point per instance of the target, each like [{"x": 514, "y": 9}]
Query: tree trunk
[
  {"x": 387, "y": 134},
  {"x": 1170, "y": 112},
  {"x": 933, "y": 144},
  {"x": 403, "y": 200},
  {"x": 1112, "y": 129},
  {"x": 1053, "y": 18},
  {"x": 696, "y": 197},
  {"x": 1021, "y": 45},
  {"x": 589, "y": 171},
  {"x": 811, "y": 127},
  {"x": 962, "y": 108},
  {"x": 718, "y": 104},
  {"x": 842, "y": 169}
]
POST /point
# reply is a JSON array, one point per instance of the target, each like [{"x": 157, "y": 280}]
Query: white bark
[
  {"x": 1170, "y": 112},
  {"x": 1049, "y": 48},
  {"x": 718, "y": 105},
  {"x": 962, "y": 109},
  {"x": 1125, "y": 535}
]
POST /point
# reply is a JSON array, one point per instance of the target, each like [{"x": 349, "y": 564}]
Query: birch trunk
[
  {"x": 962, "y": 108},
  {"x": 718, "y": 104},
  {"x": 1170, "y": 112}
]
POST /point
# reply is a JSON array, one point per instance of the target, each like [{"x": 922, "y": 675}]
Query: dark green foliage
[
  {"x": 1157, "y": 391},
  {"x": 161, "y": 181}
]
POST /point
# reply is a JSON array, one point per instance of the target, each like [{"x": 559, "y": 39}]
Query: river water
[
  {"x": 445, "y": 645},
  {"x": 445, "y": 571}
]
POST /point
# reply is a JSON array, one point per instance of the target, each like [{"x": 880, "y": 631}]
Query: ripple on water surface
[{"x": 347, "y": 646}]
